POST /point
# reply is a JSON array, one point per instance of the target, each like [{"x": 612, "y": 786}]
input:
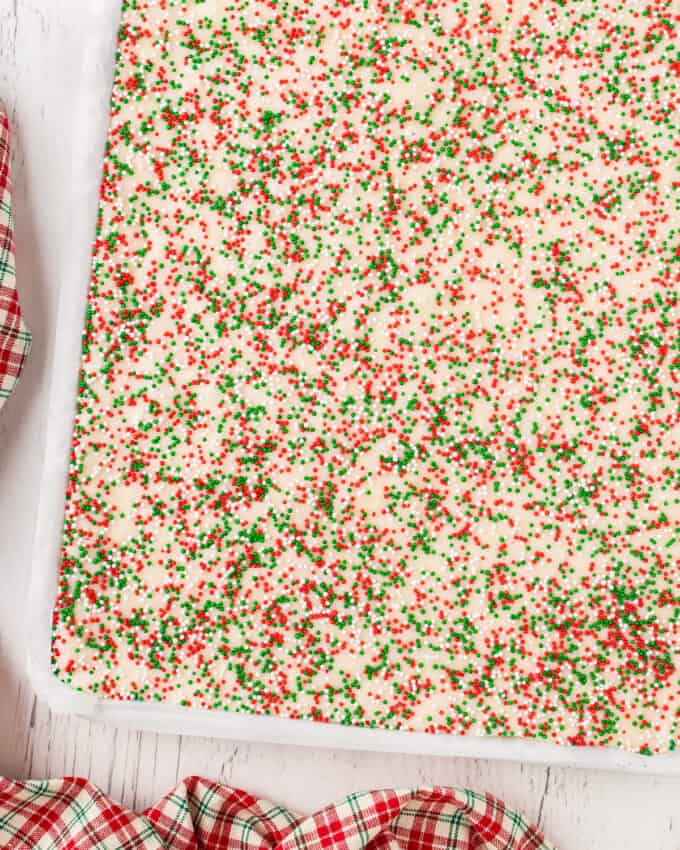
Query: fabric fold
[
  {"x": 15, "y": 338},
  {"x": 72, "y": 814}
]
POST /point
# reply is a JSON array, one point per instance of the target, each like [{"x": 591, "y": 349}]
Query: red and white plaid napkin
[
  {"x": 15, "y": 339},
  {"x": 71, "y": 814}
]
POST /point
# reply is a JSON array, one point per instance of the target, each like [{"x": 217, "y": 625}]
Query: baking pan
[{"x": 80, "y": 209}]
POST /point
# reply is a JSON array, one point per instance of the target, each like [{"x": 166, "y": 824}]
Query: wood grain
[{"x": 42, "y": 71}]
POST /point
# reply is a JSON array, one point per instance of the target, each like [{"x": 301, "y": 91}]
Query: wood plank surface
[{"x": 44, "y": 64}]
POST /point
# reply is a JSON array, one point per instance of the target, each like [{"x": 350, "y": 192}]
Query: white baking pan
[{"x": 80, "y": 208}]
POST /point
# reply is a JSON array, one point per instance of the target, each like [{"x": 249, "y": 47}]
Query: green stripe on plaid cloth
[
  {"x": 71, "y": 814},
  {"x": 15, "y": 339}
]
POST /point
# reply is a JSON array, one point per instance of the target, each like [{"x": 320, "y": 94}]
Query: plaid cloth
[
  {"x": 15, "y": 339},
  {"x": 71, "y": 814}
]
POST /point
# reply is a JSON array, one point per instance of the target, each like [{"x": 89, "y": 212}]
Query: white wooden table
[{"x": 41, "y": 70}]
